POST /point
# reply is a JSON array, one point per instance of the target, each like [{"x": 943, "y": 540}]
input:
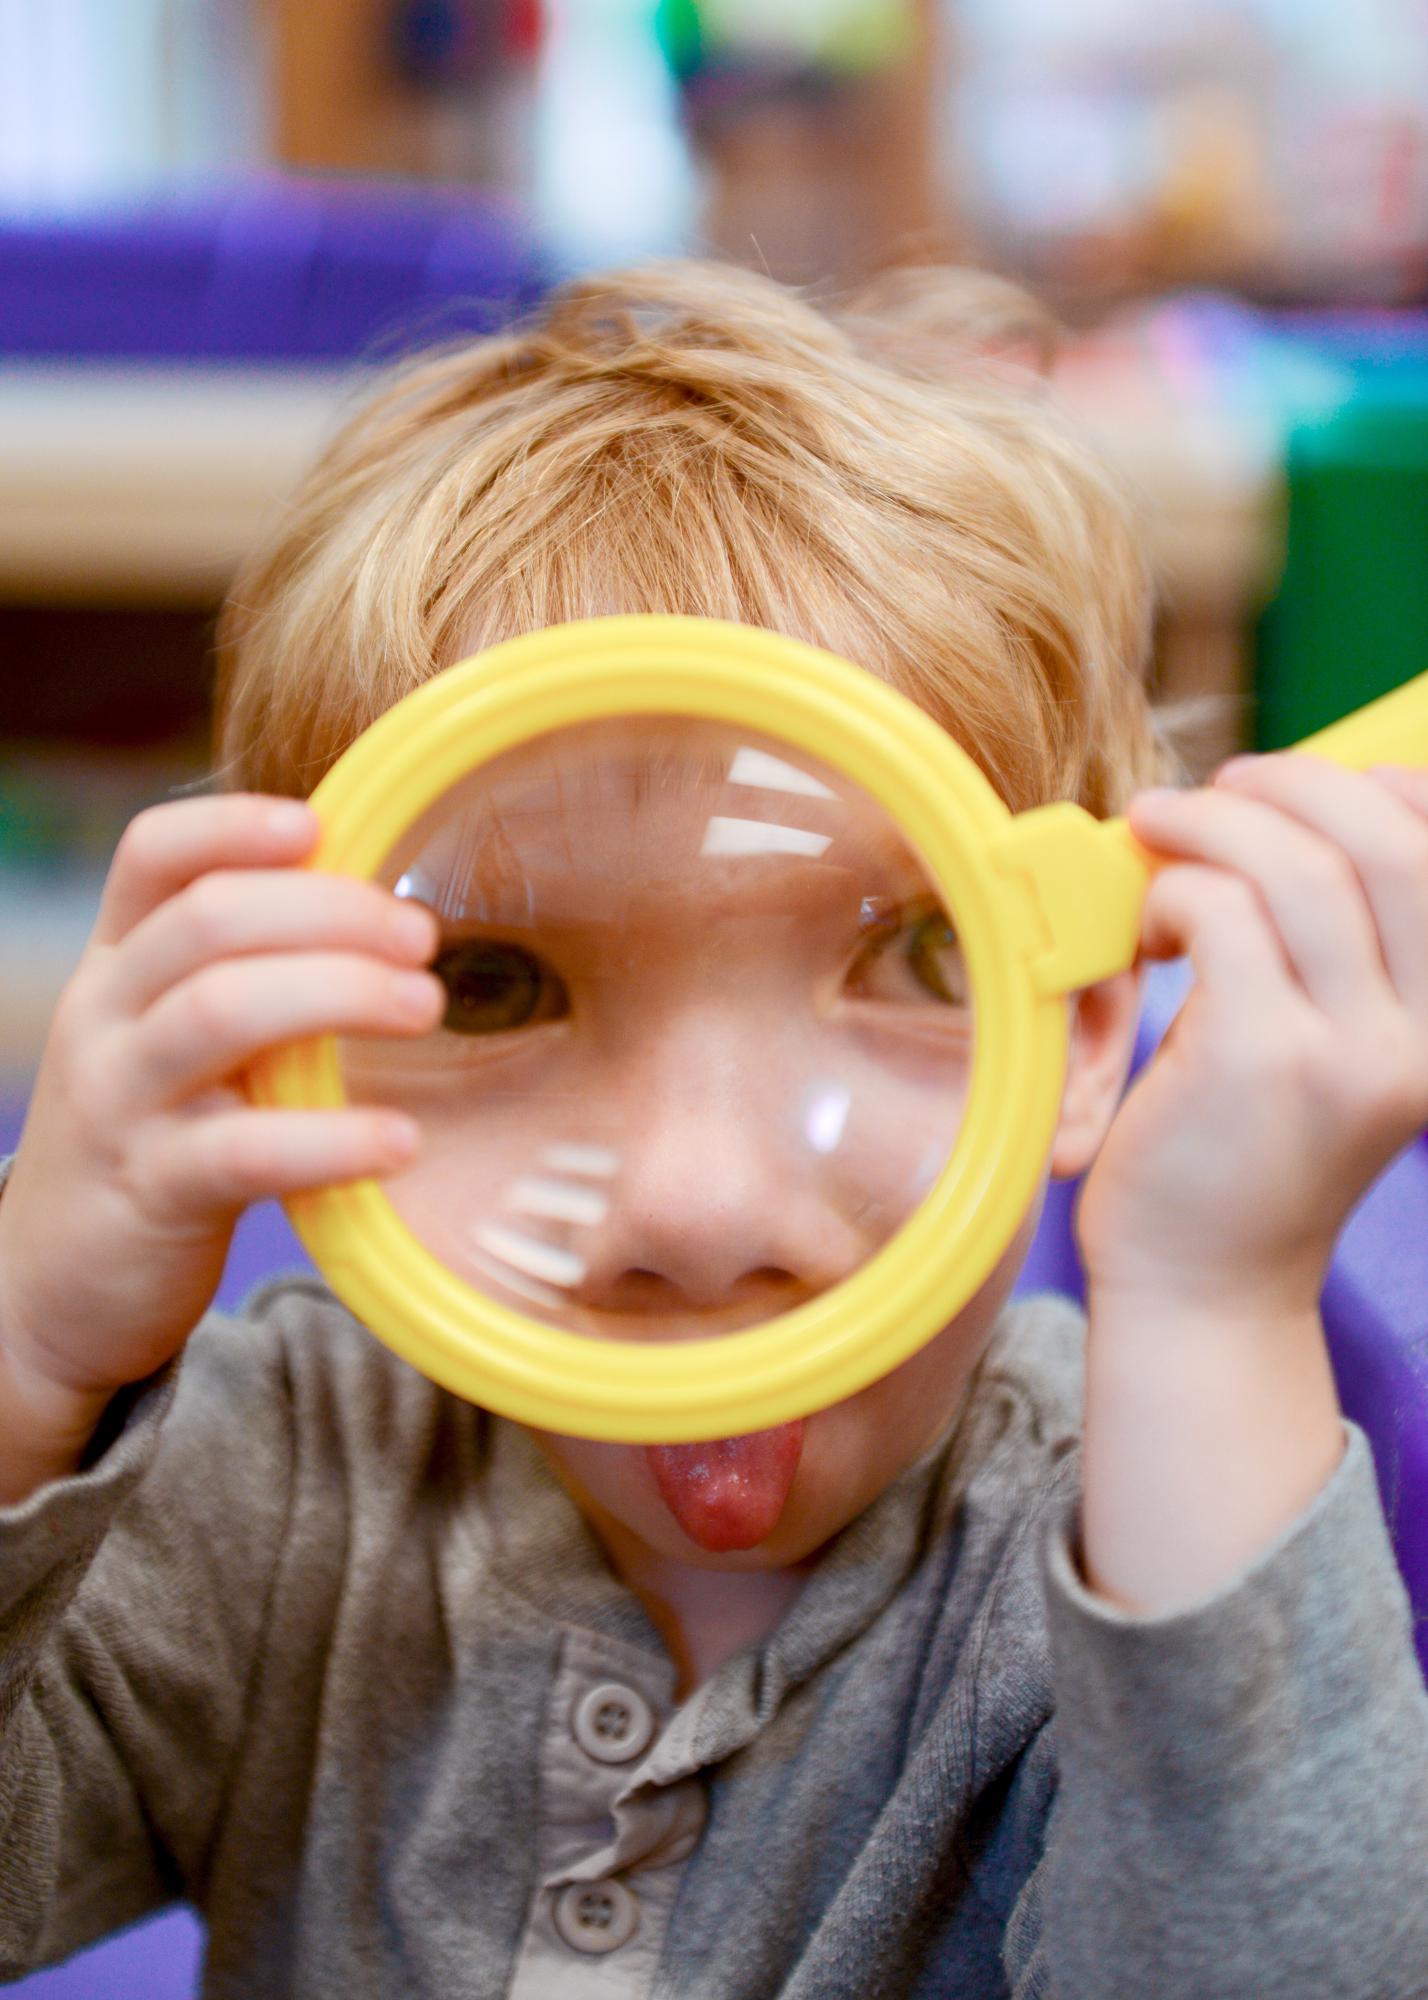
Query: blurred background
[{"x": 216, "y": 216}]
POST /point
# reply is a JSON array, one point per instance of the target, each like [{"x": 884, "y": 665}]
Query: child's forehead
[
  {"x": 643, "y": 762},
  {"x": 701, "y": 808}
]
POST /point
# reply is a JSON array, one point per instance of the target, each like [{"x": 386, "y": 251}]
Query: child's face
[{"x": 708, "y": 1044}]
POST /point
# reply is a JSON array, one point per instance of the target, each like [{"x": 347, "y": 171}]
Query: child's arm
[
  {"x": 1241, "y": 1724},
  {"x": 139, "y": 1151},
  {"x": 1241, "y": 1721},
  {"x": 135, "y": 1614},
  {"x": 130, "y": 1631},
  {"x": 1297, "y": 1069},
  {"x": 1241, "y": 1788}
]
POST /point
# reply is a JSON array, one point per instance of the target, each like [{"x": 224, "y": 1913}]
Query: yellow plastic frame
[{"x": 1046, "y": 902}]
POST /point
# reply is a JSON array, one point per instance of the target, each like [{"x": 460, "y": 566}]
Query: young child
[{"x": 410, "y": 1702}]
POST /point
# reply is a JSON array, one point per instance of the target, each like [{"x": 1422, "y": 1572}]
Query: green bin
[{"x": 1350, "y": 619}]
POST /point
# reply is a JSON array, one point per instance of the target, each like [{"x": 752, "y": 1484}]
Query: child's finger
[
  {"x": 214, "y": 1022},
  {"x": 169, "y": 846},
  {"x": 1218, "y": 921},
  {"x": 1307, "y": 884},
  {"x": 1409, "y": 784},
  {"x": 1380, "y": 821},
  {"x": 218, "y": 1164},
  {"x": 235, "y": 913},
  {"x": 1409, "y": 780}
]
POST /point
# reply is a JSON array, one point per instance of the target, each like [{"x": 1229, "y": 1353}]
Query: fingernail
[
  {"x": 289, "y": 818},
  {"x": 1157, "y": 798},
  {"x": 400, "y": 1135},
  {"x": 1237, "y": 767},
  {"x": 416, "y": 931},
  {"x": 417, "y": 994}
]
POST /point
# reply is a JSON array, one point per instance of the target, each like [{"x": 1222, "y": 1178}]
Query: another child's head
[{"x": 889, "y": 484}]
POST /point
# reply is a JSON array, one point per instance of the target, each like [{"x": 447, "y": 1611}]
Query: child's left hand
[{"x": 1298, "y": 1066}]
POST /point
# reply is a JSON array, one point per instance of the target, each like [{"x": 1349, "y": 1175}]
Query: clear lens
[{"x": 708, "y": 1034}]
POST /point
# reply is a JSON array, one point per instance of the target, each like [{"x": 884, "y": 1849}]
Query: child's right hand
[{"x": 140, "y": 1150}]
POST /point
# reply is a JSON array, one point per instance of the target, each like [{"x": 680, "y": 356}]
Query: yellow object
[
  {"x": 1391, "y": 730},
  {"x": 1047, "y": 902}
]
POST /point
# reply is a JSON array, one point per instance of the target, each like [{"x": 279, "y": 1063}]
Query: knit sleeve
[
  {"x": 133, "y": 1597},
  {"x": 1242, "y": 1790}
]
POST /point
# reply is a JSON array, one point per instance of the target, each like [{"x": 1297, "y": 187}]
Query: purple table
[{"x": 276, "y": 269}]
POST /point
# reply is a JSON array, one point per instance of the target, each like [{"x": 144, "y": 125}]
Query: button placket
[{"x": 598, "y": 1918}]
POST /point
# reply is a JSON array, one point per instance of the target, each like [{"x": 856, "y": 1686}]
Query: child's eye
[
  {"x": 912, "y": 955},
  {"x": 493, "y": 987}
]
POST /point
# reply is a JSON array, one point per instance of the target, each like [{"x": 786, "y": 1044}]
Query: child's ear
[{"x": 1103, "y": 1025}]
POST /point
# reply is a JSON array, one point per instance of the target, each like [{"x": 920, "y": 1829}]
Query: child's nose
[{"x": 718, "y": 1200}]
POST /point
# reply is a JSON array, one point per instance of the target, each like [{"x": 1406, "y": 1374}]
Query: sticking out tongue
[{"x": 729, "y": 1493}]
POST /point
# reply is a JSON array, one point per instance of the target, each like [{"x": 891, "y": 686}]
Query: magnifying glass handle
[
  {"x": 1391, "y": 730},
  {"x": 1092, "y": 875}
]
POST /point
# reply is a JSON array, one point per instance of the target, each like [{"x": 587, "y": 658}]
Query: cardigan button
[
  {"x": 597, "y": 1917},
  {"x": 613, "y": 1724}
]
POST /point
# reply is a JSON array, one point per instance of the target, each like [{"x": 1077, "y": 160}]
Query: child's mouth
[{"x": 729, "y": 1493}]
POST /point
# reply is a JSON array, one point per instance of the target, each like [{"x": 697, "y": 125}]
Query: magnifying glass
[{"x": 756, "y": 1024}]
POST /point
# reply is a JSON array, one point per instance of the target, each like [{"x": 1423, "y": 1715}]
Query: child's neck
[{"x": 704, "y": 1616}]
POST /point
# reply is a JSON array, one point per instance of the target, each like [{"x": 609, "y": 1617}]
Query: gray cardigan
[{"x": 329, "y": 1652}]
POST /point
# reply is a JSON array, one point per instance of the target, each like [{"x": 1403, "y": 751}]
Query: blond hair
[{"x": 692, "y": 438}]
